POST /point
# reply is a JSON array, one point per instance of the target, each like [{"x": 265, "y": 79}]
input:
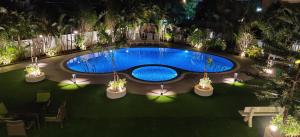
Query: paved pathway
[{"x": 55, "y": 71}]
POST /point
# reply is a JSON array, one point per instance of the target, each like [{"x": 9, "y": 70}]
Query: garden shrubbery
[
  {"x": 10, "y": 52},
  {"x": 217, "y": 44},
  {"x": 254, "y": 51}
]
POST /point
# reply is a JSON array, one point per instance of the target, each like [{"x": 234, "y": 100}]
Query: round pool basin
[{"x": 154, "y": 73}]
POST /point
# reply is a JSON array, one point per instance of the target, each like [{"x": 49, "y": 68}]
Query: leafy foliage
[
  {"x": 198, "y": 38},
  {"x": 254, "y": 51},
  {"x": 80, "y": 42},
  {"x": 291, "y": 126},
  {"x": 51, "y": 52},
  {"x": 10, "y": 52},
  {"x": 33, "y": 70},
  {"x": 245, "y": 40},
  {"x": 117, "y": 84},
  {"x": 217, "y": 44}
]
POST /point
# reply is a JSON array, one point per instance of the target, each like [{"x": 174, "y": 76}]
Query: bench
[{"x": 250, "y": 112}]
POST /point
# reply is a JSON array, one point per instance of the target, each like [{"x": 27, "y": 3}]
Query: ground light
[
  {"x": 268, "y": 71},
  {"x": 156, "y": 96},
  {"x": 231, "y": 81},
  {"x": 273, "y": 128},
  {"x": 70, "y": 85},
  {"x": 258, "y": 9}
]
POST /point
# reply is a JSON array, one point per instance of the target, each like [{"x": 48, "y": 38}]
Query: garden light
[
  {"x": 258, "y": 9},
  {"x": 74, "y": 78},
  {"x": 268, "y": 71},
  {"x": 162, "y": 89},
  {"x": 273, "y": 128}
]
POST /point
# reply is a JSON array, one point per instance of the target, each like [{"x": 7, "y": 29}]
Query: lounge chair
[
  {"x": 43, "y": 100},
  {"x": 17, "y": 128},
  {"x": 4, "y": 113},
  {"x": 58, "y": 117}
]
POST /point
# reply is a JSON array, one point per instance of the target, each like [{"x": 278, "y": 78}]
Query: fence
[{"x": 39, "y": 46}]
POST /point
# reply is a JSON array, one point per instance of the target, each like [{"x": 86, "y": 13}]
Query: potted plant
[
  {"x": 34, "y": 73},
  {"x": 116, "y": 88},
  {"x": 205, "y": 83},
  {"x": 204, "y": 87}
]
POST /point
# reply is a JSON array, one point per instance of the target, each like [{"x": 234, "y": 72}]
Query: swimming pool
[{"x": 124, "y": 59}]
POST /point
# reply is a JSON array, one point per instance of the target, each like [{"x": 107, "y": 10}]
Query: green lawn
[{"x": 91, "y": 114}]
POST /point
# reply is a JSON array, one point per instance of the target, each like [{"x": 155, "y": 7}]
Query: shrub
[
  {"x": 197, "y": 38},
  {"x": 205, "y": 82},
  {"x": 33, "y": 70},
  {"x": 118, "y": 84},
  {"x": 291, "y": 127},
  {"x": 254, "y": 51},
  {"x": 51, "y": 52},
  {"x": 168, "y": 36},
  {"x": 216, "y": 44},
  {"x": 10, "y": 53},
  {"x": 80, "y": 42}
]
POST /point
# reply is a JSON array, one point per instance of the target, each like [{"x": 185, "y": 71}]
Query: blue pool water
[
  {"x": 154, "y": 73},
  {"x": 126, "y": 58}
]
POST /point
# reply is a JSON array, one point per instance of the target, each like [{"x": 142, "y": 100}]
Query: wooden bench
[{"x": 250, "y": 112}]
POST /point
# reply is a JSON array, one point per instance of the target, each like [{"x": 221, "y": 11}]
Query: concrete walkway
[{"x": 55, "y": 71}]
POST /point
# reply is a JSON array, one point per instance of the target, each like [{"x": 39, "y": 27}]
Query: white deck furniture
[{"x": 250, "y": 112}]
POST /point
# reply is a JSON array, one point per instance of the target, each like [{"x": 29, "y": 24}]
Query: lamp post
[
  {"x": 235, "y": 77},
  {"x": 74, "y": 78},
  {"x": 162, "y": 89}
]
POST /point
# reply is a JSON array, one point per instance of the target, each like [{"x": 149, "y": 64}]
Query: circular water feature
[{"x": 154, "y": 73}]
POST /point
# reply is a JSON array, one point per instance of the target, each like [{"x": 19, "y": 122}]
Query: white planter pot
[
  {"x": 208, "y": 91},
  {"x": 115, "y": 94},
  {"x": 35, "y": 79}
]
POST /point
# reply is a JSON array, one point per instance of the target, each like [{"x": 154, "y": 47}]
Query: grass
[{"x": 91, "y": 114}]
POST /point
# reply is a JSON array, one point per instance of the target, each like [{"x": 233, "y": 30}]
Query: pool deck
[{"x": 55, "y": 71}]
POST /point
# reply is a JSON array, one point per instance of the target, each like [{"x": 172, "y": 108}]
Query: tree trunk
[{"x": 291, "y": 94}]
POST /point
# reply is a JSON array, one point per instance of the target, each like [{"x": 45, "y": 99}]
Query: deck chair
[
  {"x": 43, "y": 99},
  {"x": 4, "y": 113},
  {"x": 59, "y": 117},
  {"x": 17, "y": 128}
]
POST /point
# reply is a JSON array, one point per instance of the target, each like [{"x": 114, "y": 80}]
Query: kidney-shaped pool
[{"x": 126, "y": 58}]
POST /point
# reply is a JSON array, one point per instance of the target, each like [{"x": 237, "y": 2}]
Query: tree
[
  {"x": 245, "y": 40},
  {"x": 190, "y": 8}
]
